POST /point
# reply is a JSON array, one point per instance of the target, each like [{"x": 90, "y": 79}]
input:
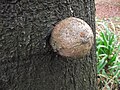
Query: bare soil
[{"x": 107, "y": 8}]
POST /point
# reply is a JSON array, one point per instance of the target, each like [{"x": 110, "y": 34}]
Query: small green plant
[{"x": 108, "y": 65}]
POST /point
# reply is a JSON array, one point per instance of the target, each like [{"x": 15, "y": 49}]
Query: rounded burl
[{"x": 72, "y": 37}]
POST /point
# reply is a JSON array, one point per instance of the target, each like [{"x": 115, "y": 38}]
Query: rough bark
[{"x": 27, "y": 61}]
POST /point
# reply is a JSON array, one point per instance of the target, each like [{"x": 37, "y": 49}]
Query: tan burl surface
[{"x": 72, "y": 37}]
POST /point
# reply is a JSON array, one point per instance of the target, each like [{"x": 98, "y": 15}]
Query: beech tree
[{"x": 27, "y": 60}]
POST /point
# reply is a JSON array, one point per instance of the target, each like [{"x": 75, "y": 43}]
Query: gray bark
[{"x": 27, "y": 61}]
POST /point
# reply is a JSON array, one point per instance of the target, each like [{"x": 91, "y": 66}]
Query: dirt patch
[{"x": 107, "y": 9}]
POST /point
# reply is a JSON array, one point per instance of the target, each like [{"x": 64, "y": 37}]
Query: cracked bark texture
[{"x": 27, "y": 61}]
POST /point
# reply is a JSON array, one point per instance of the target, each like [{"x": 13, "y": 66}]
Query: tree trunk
[{"x": 27, "y": 61}]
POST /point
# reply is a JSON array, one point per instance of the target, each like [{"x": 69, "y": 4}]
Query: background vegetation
[{"x": 108, "y": 47}]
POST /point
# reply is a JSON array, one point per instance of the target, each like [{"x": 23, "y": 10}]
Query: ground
[
  {"x": 109, "y": 11},
  {"x": 107, "y": 8}
]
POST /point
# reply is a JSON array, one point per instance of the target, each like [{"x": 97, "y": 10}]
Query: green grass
[{"x": 108, "y": 65}]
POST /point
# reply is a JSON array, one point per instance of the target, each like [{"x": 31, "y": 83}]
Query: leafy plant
[
  {"x": 108, "y": 65},
  {"x": 106, "y": 48}
]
